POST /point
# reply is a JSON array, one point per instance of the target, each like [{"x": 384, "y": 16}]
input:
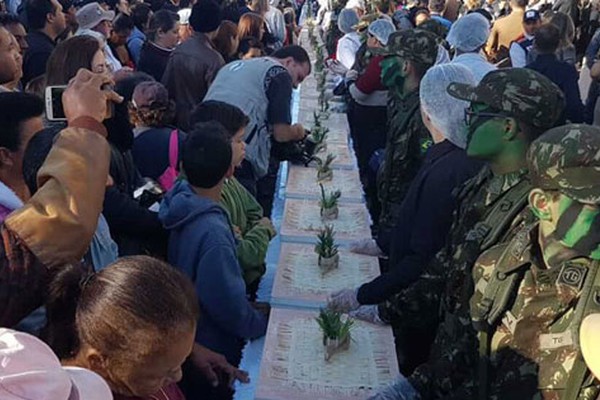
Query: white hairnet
[
  {"x": 469, "y": 33},
  {"x": 355, "y": 4},
  {"x": 381, "y": 29},
  {"x": 446, "y": 112},
  {"x": 347, "y": 19}
]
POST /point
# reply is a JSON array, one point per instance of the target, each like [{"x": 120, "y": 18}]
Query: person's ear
[
  {"x": 511, "y": 129},
  {"x": 405, "y": 68},
  {"x": 230, "y": 171},
  {"x": 540, "y": 201},
  {"x": 96, "y": 361},
  {"x": 6, "y": 158}
]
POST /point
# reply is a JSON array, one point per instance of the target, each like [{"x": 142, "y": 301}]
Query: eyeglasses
[{"x": 471, "y": 115}]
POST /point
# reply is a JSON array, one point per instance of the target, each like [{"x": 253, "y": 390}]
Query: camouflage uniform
[
  {"x": 527, "y": 313},
  {"x": 407, "y": 137},
  {"x": 491, "y": 209}
]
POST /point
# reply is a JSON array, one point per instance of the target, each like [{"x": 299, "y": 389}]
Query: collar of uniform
[
  {"x": 500, "y": 184},
  {"x": 405, "y": 102}
]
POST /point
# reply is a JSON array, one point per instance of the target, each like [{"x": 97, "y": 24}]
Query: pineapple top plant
[
  {"x": 324, "y": 166},
  {"x": 329, "y": 200},
  {"x": 326, "y": 247},
  {"x": 334, "y": 327}
]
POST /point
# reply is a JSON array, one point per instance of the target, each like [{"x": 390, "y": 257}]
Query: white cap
[
  {"x": 30, "y": 370},
  {"x": 184, "y": 16},
  {"x": 91, "y": 15},
  {"x": 469, "y": 33}
]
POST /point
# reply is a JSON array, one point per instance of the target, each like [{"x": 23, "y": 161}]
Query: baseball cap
[
  {"x": 520, "y": 92},
  {"x": 532, "y": 16},
  {"x": 588, "y": 339},
  {"x": 414, "y": 44},
  {"x": 92, "y": 14},
  {"x": 567, "y": 159},
  {"x": 150, "y": 94},
  {"x": 30, "y": 370}
]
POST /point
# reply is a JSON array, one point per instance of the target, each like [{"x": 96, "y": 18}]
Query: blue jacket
[
  {"x": 202, "y": 245},
  {"x": 424, "y": 220},
  {"x": 135, "y": 41},
  {"x": 566, "y": 77}
]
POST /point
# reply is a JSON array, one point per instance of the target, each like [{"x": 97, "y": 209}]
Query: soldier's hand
[
  {"x": 368, "y": 313},
  {"x": 343, "y": 301}
]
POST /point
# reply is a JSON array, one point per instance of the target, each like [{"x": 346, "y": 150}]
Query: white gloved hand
[
  {"x": 399, "y": 390},
  {"x": 367, "y": 247},
  {"x": 343, "y": 301},
  {"x": 351, "y": 75},
  {"x": 336, "y": 67},
  {"x": 368, "y": 313}
]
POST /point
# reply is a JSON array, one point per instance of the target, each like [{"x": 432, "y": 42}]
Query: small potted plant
[
  {"x": 324, "y": 171},
  {"x": 327, "y": 250},
  {"x": 336, "y": 332},
  {"x": 318, "y": 135},
  {"x": 320, "y": 60},
  {"x": 329, "y": 204}
]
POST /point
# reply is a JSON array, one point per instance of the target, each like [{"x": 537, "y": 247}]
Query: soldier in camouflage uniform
[
  {"x": 408, "y": 56},
  {"x": 532, "y": 294},
  {"x": 492, "y": 206}
]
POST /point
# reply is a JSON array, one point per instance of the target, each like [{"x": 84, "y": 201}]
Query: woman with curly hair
[{"x": 156, "y": 142}]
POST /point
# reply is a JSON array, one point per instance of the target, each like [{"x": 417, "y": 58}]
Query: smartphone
[{"x": 54, "y": 105}]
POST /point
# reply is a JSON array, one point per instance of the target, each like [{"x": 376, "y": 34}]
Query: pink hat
[{"x": 29, "y": 370}]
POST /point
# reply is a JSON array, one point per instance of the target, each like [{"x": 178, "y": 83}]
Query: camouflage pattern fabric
[
  {"x": 567, "y": 159},
  {"x": 533, "y": 347},
  {"x": 365, "y": 21},
  {"x": 435, "y": 27},
  {"x": 522, "y": 93},
  {"x": 447, "y": 278},
  {"x": 415, "y": 45},
  {"x": 407, "y": 141}
]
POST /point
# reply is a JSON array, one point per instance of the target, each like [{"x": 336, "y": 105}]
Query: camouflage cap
[
  {"x": 435, "y": 27},
  {"x": 414, "y": 44},
  {"x": 567, "y": 159},
  {"x": 365, "y": 21},
  {"x": 520, "y": 92}
]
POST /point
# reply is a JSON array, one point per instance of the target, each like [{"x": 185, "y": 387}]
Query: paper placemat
[
  {"x": 302, "y": 182},
  {"x": 294, "y": 366},
  {"x": 299, "y": 282},
  {"x": 301, "y": 218}
]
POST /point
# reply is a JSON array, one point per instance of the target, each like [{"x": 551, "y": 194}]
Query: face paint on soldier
[
  {"x": 576, "y": 226},
  {"x": 487, "y": 131},
  {"x": 392, "y": 73}
]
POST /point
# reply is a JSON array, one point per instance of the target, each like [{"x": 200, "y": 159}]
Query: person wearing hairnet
[
  {"x": 367, "y": 111},
  {"x": 468, "y": 37},
  {"x": 425, "y": 216},
  {"x": 348, "y": 44}
]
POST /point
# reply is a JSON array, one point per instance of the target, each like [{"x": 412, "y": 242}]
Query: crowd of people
[{"x": 135, "y": 226}]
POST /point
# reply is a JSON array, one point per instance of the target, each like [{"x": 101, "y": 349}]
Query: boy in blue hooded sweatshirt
[{"x": 202, "y": 243}]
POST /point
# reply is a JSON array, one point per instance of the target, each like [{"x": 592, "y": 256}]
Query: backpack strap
[{"x": 174, "y": 149}]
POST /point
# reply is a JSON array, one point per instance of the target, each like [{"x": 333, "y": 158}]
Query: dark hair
[
  {"x": 520, "y": 3},
  {"x": 420, "y": 69},
  {"x": 547, "y": 39},
  {"x": 15, "y": 109},
  {"x": 296, "y": 52},
  {"x": 69, "y": 57},
  {"x": 37, "y": 11},
  {"x": 113, "y": 4},
  {"x": 35, "y": 154},
  {"x": 483, "y": 12},
  {"x": 248, "y": 43},
  {"x": 7, "y": 19},
  {"x": 134, "y": 299},
  {"x": 222, "y": 41},
  {"x": 437, "y": 5},
  {"x": 250, "y": 25},
  {"x": 123, "y": 23},
  {"x": 140, "y": 14},
  {"x": 125, "y": 86},
  {"x": 414, "y": 13},
  {"x": 232, "y": 118},
  {"x": 163, "y": 20},
  {"x": 206, "y": 155},
  {"x": 383, "y": 6}
]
